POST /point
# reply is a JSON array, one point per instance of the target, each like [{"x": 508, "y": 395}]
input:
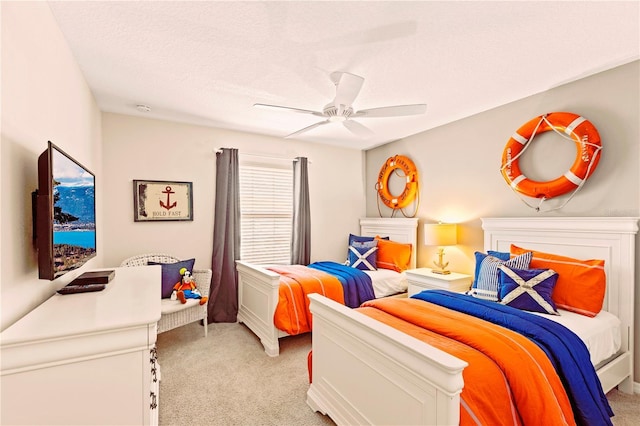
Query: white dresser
[{"x": 86, "y": 358}]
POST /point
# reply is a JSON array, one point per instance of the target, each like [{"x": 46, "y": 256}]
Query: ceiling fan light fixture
[
  {"x": 340, "y": 110},
  {"x": 335, "y": 113}
]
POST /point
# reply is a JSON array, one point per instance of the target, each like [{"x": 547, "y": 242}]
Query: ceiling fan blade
[
  {"x": 392, "y": 111},
  {"x": 357, "y": 128},
  {"x": 347, "y": 88},
  {"x": 286, "y": 108},
  {"x": 306, "y": 129}
]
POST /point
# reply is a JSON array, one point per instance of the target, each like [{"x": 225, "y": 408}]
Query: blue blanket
[
  {"x": 567, "y": 352},
  {"x": 356, "y": 284}
]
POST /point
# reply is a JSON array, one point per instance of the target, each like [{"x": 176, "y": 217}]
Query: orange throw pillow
[
  {"x": 581, "y": 283},
  {"x": 393, "y": 255}
]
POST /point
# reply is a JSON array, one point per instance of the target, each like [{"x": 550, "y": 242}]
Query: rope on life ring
[
  {"x": 570, "y": 126},
  {"x": 397, "y": 164}
]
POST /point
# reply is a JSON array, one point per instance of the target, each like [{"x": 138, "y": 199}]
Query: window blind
[{"x": 266, "y": 209}]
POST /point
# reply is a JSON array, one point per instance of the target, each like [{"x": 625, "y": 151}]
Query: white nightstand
[{"x": 423, "y": 279}]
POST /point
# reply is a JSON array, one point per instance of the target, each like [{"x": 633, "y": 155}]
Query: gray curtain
[
  {"x": 223, "y": 295},
  {"x": 301, "y": 237}
]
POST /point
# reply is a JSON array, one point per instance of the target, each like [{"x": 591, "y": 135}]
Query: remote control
[{"x": 82, "y": 288}]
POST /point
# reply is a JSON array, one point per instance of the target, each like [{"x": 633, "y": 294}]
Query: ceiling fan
[{"x": 340, "y": 109}]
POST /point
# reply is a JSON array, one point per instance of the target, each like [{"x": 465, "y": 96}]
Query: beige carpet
[
  {"x": 227, "y": 379},
  {"x": 626, "y": 408}
]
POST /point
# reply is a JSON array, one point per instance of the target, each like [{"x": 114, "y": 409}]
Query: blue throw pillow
[
  {"x": 502, "y": 255},
  {"x": 171, "y": 274},
  {"x": 528, "y": 289},
  {"x": 486, "y": 285},
  {"x": 363, "y": 255},
  {"x": 362, "y": 239},
  {"x": 359, "y": 238}
]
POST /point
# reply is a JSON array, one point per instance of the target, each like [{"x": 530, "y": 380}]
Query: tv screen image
[{"x": 66, "y": 215}]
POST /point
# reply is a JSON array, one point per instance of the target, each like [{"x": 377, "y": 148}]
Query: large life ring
[
  {"x": 411, "y": 185},
  {"x": 588, "y": 147}
]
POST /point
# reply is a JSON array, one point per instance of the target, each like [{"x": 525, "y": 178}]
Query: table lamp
[{"x": 440, "y": 234}]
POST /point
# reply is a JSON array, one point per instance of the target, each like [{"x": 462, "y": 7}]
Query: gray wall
[{"x": 459, "y": 164}]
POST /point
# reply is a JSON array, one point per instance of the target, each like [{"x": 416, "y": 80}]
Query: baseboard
[{"x": 636, "y": 387}]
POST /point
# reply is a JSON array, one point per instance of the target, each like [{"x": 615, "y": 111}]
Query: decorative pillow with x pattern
[
  {"x": 528, "y": 289},
  {"x": 363, "y": 255}
]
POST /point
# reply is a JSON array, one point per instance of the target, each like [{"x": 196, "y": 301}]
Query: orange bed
[
  {"x": 297, "y": 282},
  {"x": 513, "y": 380}
]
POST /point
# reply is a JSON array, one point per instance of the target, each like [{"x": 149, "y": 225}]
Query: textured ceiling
[{"x": 208, "y": 62}]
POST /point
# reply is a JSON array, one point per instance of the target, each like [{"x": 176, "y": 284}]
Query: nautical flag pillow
[
  {"x": 581, "y": 283},
  {"x": 363, "y": 255},
  {"x": 486, "y": 284},
  {"x": 528, "y": 289},
  {"x": 361, "y": 239}
]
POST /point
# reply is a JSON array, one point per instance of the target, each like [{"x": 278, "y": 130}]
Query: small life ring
[
  {"x": 588, "y": 146},
  {"x": 410, "y": 188}
]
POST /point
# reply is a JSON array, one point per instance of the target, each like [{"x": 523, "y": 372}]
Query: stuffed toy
[{"x": 186, "y": 289}]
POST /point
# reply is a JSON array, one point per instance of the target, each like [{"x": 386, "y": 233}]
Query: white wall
[
  {"x": 459, "y": 165},
  {"x": 44, "y": 97},
  {"x": 146, "y": 149}
]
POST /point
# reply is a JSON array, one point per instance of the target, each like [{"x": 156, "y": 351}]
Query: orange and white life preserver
[
  {"x": 588, "y": 147},
  {"x": 411, "y": 185}
]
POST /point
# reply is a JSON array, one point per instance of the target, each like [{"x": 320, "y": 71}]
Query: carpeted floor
[
  {"x": 626, "y": 408},
  {"x": 227, "y": 379}
]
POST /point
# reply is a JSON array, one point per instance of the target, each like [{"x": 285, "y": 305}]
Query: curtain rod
[{"x": 272, "y": 157}]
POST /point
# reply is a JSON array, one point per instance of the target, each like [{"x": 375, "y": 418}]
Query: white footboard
[
  {"x": 365, "y": 372},
  {"x": 257, "y": 301}
]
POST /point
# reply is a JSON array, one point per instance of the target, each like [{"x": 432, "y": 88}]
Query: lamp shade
[{"x": 440, "y": 234}]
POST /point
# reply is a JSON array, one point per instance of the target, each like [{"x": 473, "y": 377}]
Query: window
[{"x": 266, "y": 212}]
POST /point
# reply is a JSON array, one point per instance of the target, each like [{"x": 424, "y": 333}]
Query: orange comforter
[
  {"x": 509, "y": 380},
  {"x": 296, "y": 282}
]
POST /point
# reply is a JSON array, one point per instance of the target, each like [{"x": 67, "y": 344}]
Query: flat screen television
[{"x": 64, "y": 214}]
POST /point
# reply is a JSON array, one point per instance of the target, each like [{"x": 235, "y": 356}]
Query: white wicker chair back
[{"x": 175, "y": 314}]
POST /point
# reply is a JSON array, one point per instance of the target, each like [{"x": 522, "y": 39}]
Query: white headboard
[
  {"x": 608, "y": 238},
  {"x": 402, "y": 230}
]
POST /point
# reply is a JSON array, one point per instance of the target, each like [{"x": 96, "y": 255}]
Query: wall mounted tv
[{"x": 64, "y": 214}]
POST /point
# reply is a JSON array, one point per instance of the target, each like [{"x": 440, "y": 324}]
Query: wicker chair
[{"x": 174, "y": 313}]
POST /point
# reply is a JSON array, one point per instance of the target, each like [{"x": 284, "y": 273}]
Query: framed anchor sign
[{"x": 155, "y": 200}]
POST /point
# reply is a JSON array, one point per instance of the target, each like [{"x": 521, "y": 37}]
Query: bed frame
[
  {"x": 258, "y": 287},
  {"x": 365, "y": 372}
]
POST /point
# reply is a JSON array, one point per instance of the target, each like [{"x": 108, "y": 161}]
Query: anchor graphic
[{"x": 168, "y": 206}]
